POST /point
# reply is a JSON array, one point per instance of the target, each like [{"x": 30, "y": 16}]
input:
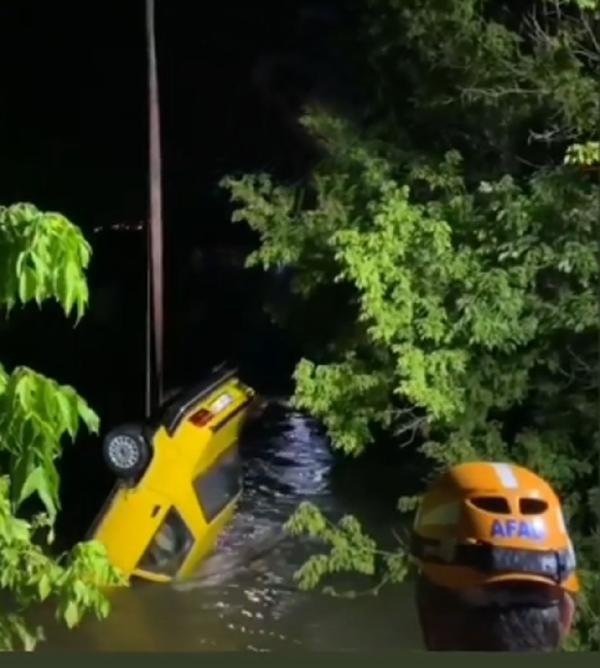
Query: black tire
[{"x": 126, "y": 451}]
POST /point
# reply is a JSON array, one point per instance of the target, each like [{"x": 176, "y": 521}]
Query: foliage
[
  {"x": 462, "y": 299},
  {"x": 31, "y": 577},
  {"x": 461, "y": 229},
  {"x": 587, "y": 4},
  {"x": 583, "y": 154},
  {"x": 42, "y": 256},
  {"x": 351, "y": 551},
  {"x": 35, "y": 413}
]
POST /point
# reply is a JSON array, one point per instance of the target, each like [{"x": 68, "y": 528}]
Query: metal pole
[{"x": 155, "y": 257}]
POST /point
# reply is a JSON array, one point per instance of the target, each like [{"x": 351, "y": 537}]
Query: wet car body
[{"x": 179, "y": 478}]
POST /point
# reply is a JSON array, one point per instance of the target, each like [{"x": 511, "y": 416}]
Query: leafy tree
[
  {"x": 42, "y": 256},
  {"x": 460, "y": 228}
]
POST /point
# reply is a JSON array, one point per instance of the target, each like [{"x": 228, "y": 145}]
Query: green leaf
[
  {"x": 68, "y": 413},
  {"x": 25, "y": 391},
  {"x": 27, "y": 284},
  {"x": 71, "y": 614},
  {"x": 44, "y": 587},
  {"x": 81, "y": 592},
  {"x": 72, "y": 279},
  {"x": 37, "y": 483},
  {"x": 104, "y": 608},
  {"x": 88, "y": 416}
]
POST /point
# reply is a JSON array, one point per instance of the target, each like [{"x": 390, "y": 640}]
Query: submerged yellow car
[{"x": 179, "y": 480}]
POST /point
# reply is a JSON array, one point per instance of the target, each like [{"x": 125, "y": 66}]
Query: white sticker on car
[{"x": 221, "y": 403}]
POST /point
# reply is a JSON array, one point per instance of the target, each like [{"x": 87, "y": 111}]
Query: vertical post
[
  {"x": 149, "y": 402},
  {"x": 155, "y": 323}
]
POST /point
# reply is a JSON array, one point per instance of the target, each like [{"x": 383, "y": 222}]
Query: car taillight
[{"x": 201, "y": 417}]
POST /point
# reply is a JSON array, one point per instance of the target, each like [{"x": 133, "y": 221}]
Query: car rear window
[{"x": 221, "y": 483}]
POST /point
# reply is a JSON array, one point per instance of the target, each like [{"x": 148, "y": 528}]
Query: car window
[
  {"x": 169, "y": 547},
  {"x": 221, "y": 483}
]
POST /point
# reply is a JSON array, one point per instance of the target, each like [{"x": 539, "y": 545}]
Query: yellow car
[{"x": 179, "y": 480}]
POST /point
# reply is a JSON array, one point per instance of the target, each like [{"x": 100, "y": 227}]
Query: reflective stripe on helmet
[
  {"x": 505, "y": 475},
  {"x": 561, "y": 520}
]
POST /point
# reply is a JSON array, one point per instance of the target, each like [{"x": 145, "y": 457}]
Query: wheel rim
[{"x": 123, "y": 452}]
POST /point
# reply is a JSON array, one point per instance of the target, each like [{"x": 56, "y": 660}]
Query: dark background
[{"x": 73, "y": 138}]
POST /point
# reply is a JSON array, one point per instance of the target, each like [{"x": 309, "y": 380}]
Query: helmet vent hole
[
  {"x": 532, "y": 506},
  {"x": 492, "y": 504}
]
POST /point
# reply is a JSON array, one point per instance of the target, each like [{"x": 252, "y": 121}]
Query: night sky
[
  {"x": 73, "y": 113},
  {"x": 73, "y": 134},
  {"x": 73, "y": 138}
]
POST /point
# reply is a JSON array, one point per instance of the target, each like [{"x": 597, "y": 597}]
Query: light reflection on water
[{"x": 244, "y": 597}]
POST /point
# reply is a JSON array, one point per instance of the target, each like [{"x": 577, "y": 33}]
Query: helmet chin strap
[{"x": 487, "y": 558}]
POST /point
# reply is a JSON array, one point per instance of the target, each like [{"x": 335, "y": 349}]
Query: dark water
[{"x": 244, "y": 597}]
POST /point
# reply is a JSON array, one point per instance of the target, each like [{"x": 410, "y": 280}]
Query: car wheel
[{"x": 126, "y": 451}]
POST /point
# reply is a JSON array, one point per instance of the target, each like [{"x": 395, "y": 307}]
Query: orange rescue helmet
[{"x": 482, "y": 523}]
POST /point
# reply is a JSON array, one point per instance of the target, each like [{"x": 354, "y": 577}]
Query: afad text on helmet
[{"x": 512, "y": 528}]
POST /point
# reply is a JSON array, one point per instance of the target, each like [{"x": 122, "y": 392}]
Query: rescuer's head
[{"x": 497, "y": 566}]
